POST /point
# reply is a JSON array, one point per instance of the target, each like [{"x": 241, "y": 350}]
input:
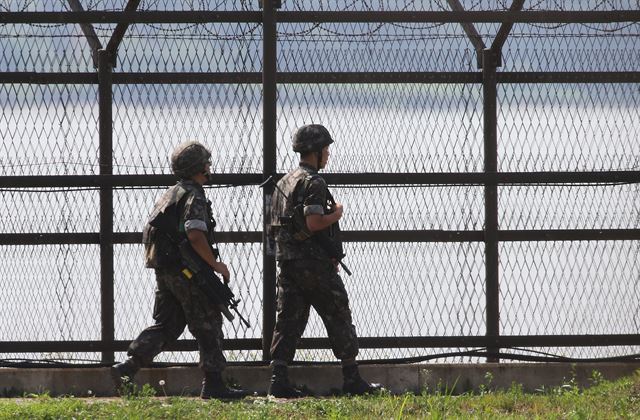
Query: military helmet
[
  {"x": 311, "y": 138},
  {"x": 189, "y": 158}
]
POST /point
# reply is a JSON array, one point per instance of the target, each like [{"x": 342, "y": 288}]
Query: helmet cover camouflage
[
  {"x": 189, "y": 158},
  {"x": 311, "y": 138}
]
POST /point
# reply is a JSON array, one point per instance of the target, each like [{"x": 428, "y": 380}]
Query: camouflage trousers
[
  {"x": 179, "y": 303},
  {"x": 312, "y": 283}
]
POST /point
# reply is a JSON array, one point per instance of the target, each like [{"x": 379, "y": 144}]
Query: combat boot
[
  {"x": 354, "y": 384},
  {"x": 280, "y": 386},
  {"x": 123, "y": 373},
  {"x": 214, "y": 387}
]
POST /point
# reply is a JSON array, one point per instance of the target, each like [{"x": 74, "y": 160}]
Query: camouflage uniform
[
  {"x": 308, "y": 276},
  {"x": 178, "y": 302}
]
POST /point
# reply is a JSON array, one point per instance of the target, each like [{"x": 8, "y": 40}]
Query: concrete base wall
[{"x": 319, "y": 379}]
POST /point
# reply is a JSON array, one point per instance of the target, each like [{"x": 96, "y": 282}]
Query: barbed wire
[
  {"x": 194, "y": 5},
  {"x": 95, "y": 164},
  {"x": 324, "y": 38},
  {"x": 250, "y": 35},
  {"x": 322, "y": 32},
  {"x": 168, "y": 167},
  {"x": 298, "y": 5}
]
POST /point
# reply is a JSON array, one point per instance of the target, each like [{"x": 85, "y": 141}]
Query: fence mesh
[
  {"x": 398, "y": 289},
  {"x": 569, "y": 127},
  {"x": 48, "y": 129},
  {"x": 149, "y": 120},
  {"x": 433, "y": 128}
]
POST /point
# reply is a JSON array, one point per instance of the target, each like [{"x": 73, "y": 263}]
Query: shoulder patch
[{"x": 315, "y": 179}]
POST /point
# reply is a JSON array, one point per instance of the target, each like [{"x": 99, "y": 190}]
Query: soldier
[
  {"x": 178, "y": 302},
  {"x": 303, "y": 208}
]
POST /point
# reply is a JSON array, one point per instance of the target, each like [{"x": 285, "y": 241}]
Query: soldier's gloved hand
[
  {"x": 336, "y": 263},
  {"x": 221, "y": 268}
]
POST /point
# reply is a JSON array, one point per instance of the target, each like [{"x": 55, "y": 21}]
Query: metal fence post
[
  {"x": 105, "y": 95},
  {"x": 490, "y": 91},
  {"x": 269, "y": 133}
]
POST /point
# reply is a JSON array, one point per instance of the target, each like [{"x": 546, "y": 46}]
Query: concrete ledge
[{"x": 319, "y": 379}]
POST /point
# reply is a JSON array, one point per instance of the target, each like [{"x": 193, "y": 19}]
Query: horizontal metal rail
[
  {"x": 45, "y": 238},
  {"x": 91, "y": 181},
  {"x": 117, "y": 345},
  {"x": 322, "y": 77},
  {"x": 435, "y": 235},
  {"x": 367, "y": 179},
  {"x": 504, "y": 341},
  {"x": 569, "y": 235},
  {"x": 568, "y": 77},
  {"x": 203, "y": 16},
  {"x": 131, "y": 17},
  {"x": 482, "y": 178}
]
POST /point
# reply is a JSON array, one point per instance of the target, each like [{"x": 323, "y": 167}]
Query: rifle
[
  {"x": 205, "y": 278},
  {"x": 322, "y": 239}
]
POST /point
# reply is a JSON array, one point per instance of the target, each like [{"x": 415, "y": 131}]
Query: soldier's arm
[
  {"x": 314, "y": 203},
  {"x": 195, "y": 227},
  {"x": 200, "y": 244},
  {"x": 316, "y": 222}
]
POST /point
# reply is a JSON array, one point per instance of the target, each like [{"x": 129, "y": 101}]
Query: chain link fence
[{"x": 430, "y": 287}]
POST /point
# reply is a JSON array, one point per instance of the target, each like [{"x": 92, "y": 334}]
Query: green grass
[{"x": 605, "y": 400}]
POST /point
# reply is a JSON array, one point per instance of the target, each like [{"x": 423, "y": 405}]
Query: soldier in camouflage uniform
[
  {"x": 178, "y": 302},
  {"x": 303, "y": 208}
]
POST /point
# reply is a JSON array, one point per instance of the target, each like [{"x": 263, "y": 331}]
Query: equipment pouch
[
  {"x": 159, "y": 251},
  {"x": 298, "y": 226}
]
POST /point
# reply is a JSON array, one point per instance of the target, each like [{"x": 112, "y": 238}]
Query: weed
[
  {"x": 404, "y": 403},
  {"x": 161, "y": 382},
  {"x": 485, "y": 387},
  {"x": 130, "y": 390},
  {"x": 596, "y": 378}
]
